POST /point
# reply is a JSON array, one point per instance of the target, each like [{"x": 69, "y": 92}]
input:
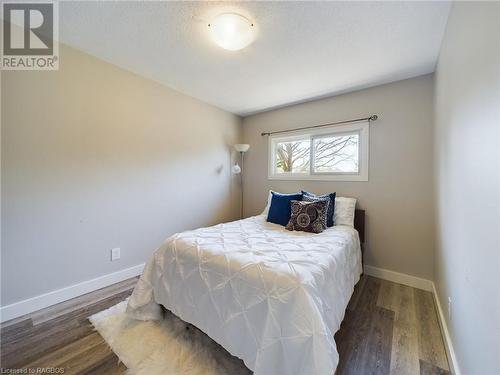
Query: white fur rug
[{"x": 170, "y": 346}]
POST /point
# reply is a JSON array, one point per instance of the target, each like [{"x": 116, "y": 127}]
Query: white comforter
[{"x": 272, "y": 297}]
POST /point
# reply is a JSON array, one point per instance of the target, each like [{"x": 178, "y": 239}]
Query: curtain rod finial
[{"x": 373, "y": 117}]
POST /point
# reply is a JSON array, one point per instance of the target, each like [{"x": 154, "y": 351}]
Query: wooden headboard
[{"x": 359, "y": 224}]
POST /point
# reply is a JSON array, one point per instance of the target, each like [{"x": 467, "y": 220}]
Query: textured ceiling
[{"x": 303, "y": 50}]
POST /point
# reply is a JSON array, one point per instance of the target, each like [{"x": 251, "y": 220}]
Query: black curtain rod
[{"x": 371, "y": 118}]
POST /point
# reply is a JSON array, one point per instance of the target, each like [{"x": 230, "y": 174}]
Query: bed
[{"x": 272, "y": 297}]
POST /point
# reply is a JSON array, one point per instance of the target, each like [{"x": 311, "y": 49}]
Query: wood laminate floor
[{"x": 388, "y": 329}]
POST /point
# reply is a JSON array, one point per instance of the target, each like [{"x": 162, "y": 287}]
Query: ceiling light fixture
[{"x": 232, "y": 31}]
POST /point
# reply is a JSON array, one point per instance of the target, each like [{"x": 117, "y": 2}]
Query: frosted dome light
[{"x": 232, "y": 31}]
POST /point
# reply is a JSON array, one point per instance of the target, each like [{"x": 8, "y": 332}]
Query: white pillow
[
  {"x": 269, "y": 198},
  {"x": 344, "y": 211}
]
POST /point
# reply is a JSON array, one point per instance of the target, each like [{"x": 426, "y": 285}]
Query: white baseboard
[
  {"x": 400, "y": 278},
  {"x": 30, "y": 305},
  {"x": 450, "y": 352}
]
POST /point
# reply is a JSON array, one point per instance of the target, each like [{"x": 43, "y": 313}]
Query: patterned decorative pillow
[
  {"x": 318, "y": 199},
  {"x": 331, "y": 206},
  {"x": 308, "y": 216}
]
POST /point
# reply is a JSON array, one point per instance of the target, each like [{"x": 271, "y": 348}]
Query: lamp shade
[
  {"x": 241, "y": 147},
  {"x": 236, "y": 169}
]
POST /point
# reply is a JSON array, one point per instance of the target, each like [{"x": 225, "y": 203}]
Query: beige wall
[
  {"x": 467, "y": 159},
  {"x": 398, "y": 196},
  {"x": 95, "y": 157}
]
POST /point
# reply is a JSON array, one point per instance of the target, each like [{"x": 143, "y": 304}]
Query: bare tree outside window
[
  {"x": 293, "y": 156},
  {"x": 336, "y": 154},
  {"x": 332, "y": 154},
  {"x": 339, "y": 153}
]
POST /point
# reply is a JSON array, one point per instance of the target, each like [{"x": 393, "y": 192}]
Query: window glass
[
  {"x": 293, "y": 156},
  {"x": 336, "y": 154}
]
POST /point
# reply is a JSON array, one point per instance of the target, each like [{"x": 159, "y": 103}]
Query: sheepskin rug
[{"x": 169, "y": 346}]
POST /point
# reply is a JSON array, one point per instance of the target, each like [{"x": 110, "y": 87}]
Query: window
[{"x": 328, "y": 153}]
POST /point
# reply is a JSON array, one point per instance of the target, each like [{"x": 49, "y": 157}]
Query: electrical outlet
[
  {"x": 449, "y": 308},
  {"x": 115, "y": 254}
]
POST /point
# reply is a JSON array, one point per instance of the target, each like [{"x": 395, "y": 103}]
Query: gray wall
[
  {"x": 95, "y": 157},
  {"x": 398, "y": 196},
  {"x": 467, "y": 159}
]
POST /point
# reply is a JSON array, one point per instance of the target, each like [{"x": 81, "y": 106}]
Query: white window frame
[{"x": 362, "y": 128}]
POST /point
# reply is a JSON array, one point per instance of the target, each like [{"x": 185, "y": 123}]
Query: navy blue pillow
[
  {"x": 280, "y": 211},
  {"x": 331, "y": 206}
]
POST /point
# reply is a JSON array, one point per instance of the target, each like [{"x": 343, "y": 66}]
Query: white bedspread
[{"x": 272, "y": 297}]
